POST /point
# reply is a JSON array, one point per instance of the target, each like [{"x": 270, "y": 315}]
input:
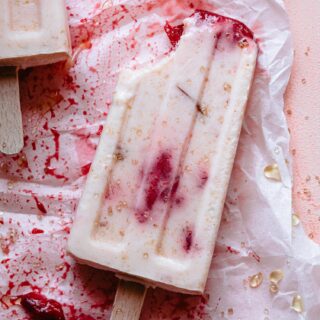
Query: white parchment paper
[{"x": 64, "y": 108}]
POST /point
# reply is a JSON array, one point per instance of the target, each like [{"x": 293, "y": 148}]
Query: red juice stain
[
  {"x": 40, "y": 205},
  {"x": 41, "y": 308},
  {"x": 174, "y": 33},
  {"x": 48, "y": 169},
  {"x": 124, "y": 9},
  {"x": 86, "y": 44},
  {"x": 6, "y": 300},
  {"x": 66, "y": 229},
  {"x": 67, "y": 268},
  {"x": 36, "y": 231},
  {"x": 82, "y": 317},
  {"x": 93, "y": 69},
  {"x": 72, "y": 102},
  {"x": 69, "y": 81},
  {"x": 254, "y": 255},
  {"x": 99, "y": 132},
  {"x": 85, "y": 169},
  {"x": 49, "y": 99},
  {"x": 28, "y": 284},
  {"x": 182, "y": 304},
  {"x": 21, "y": 160},
  {"x": 231, "y": 250},
  {"x": 4, "y": 261},
  {"x": 116, "y": 22},
  {"x": 158, "y": 180},
  {"x": 34, "y": 147},
  {"x": 188, "y": 238},
  {"x": 240, "y": 30},
  {"x": 25, "y": 140}
]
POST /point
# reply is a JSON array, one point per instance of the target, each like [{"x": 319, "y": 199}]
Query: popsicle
[
  {"x": 32, "y": 33},
  {"x": 152, "y": 204}
]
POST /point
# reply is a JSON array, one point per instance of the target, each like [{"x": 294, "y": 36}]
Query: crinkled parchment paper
[{"x": 64, "y": 108}]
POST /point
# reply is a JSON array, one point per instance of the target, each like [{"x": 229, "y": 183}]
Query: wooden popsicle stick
[
  {"x": 11, "y": 130},
  {"x": 129, "y": 301}
]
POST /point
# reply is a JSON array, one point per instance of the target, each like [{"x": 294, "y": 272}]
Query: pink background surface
[{"x": 303, "y": 112}]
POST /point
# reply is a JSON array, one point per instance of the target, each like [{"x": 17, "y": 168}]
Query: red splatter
[
  {"x": 174, "y": 33},
  {"x": 124, "y": 9},
  {"x": 72, "y": 102},
  {"x": 42, "y": 308},
  {"x": 231, "y": 250},
  {"x": 86, "y": 45},
  {"x": 40, "y": 205},
  {"x": 253, "y": 255},
  {"x": 36, "y": 231},
  {"x": 4, "y": 261},
  {"x": 69, "y": 81},
  {"x": 188, "y": 238},
  {"x": 67, "y": 268},
  {"x": 82, "y": 317},
  {"x": 48, "y": 169},
  {"x": 93, "y": 69},
  {"x": 240, "y": 30},
  {"x": 99, "y": 132},
  {"x": 28, "y": 284},
  {"x": 85, "y": 169},
  {"x": 6, "y": 300},
  {"x": 67, "y": 230}
]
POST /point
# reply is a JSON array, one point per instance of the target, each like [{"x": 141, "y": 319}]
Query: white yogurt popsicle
[
  {"x": 33, "y": 32},
  {"x": 153, "y": 200}
]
